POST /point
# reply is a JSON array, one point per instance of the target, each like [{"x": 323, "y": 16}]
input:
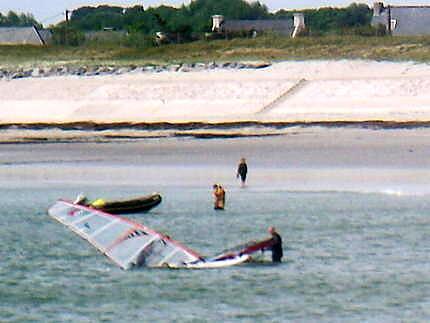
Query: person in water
[
  {"x": 242, "y": 170},
  {"x": 276, "y": 245},
  {"x": 219, "y": 197}
]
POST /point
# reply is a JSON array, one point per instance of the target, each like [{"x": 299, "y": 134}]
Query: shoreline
[
  {"x": 89, "y": 125},
  {"x": 316, "y": 159},
  {"x": 93, "y": 132}
]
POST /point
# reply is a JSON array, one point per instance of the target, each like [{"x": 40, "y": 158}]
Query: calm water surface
[{"x": 351, "y": 255}]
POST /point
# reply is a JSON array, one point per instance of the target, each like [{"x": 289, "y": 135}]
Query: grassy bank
[{"x": 262, "y": 48}]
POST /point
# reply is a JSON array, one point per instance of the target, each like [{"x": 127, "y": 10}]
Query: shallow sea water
[{"x": 350, "y": 256}]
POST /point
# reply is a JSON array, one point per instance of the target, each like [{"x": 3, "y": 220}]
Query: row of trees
[
  {"x": 191, "y": 21},
  {"x": 334, "y": 20},
  {"x": 196, "y": 17},
  {"x": 192, "y": 18},
  {"x": 12, "y": 19}
]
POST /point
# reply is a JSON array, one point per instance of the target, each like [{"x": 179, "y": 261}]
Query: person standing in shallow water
[
  {"x": 219, "y": 197},
  {"x": 276, "y": 245},
  {"x": 242, "y": 170}
]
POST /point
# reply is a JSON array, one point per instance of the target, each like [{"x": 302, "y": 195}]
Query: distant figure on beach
[
  {"x": 242, "y": 170},
  {"x": 276, "y": 245},
  {"x": 219, "y": 197}
]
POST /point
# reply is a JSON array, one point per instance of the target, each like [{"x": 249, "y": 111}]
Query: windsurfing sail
[
  {"x": 245, "y": 249},
  {"x": 127, "y": 243}
]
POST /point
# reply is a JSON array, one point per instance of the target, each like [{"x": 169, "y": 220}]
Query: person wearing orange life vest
[{"x": 219, "y": 197}]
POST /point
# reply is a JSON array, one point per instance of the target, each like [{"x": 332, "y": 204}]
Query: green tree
[
  {"x": 12, "y": 19},
  {"x": 97, "y": 18},
  {"x": 333, "y": 20},
  {"x": 201, "y": 11},
  {"x": 195, "y": 17},
  {"x": 62, "y": 34}
]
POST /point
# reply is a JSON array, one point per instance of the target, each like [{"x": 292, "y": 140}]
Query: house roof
[
  {"x": 45, "y": 34},
  {"x": 283, "y": 26},
  {"x": 411, "y": 20},
  {"x": 408, "y": 20},
  {"x": 23, "y": 36}
]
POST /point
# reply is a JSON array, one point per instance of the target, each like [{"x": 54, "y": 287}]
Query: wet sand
[{"x": 314, "y": 159}]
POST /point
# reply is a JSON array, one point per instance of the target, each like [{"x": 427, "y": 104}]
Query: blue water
[{"x": 349, "y": 256}]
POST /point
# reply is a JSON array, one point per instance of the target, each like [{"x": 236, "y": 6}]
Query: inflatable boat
[{"x": 135, "y": 205}]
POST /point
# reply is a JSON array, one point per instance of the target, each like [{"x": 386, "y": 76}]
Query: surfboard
[{"x": 215, "y": 263}]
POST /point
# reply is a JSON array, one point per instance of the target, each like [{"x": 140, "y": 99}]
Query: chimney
[
  {"x": 217, "y": 21},
  {"x": 378, "y": 7},
  {"x": 299, "y": 20},
  {"x": 299, "y": 23}
]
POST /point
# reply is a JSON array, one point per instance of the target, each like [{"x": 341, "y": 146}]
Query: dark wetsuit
[
  {"x": 242, "y": 170},
  {"x": 276, "y": 247}
]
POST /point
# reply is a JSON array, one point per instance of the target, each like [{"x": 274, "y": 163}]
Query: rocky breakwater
[{"x": 17, "y": 73}]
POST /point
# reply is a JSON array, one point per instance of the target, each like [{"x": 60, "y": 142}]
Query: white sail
[{"x": 126, "y": 243}]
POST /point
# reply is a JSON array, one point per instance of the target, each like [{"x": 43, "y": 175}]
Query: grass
[{"x": 268, "y": 48}]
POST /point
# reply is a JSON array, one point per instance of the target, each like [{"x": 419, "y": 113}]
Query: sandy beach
[{"x": 301, "y": 91}]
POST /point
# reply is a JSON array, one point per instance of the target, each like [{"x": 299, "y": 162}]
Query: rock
[
  {"x": 62, "y": 70},
  {"x": 121, "y": 70},
  {"x": 185, "y": 68},
  {"x": 17, "y": 75},
  {"x": 81, "y": 70},
  {"x": 27, "y": 73},
  {"x": 34, "y": 72},
  {"x": 212, "y": 65},
  {"x": 258, "y": 65},
  {"x": 135, "y": 69},
  {"x": 51, "y": 71},
  {"x": 38, "y": 72},
  {"x": 173, "y": 67},
  {"x": 139, "y": 69},
  {"x": 199, "y": 66},
  {"x": 149, "y": 68},
  {"x": 92, "y": 71},
  {"x": 106, "y": 69},
  {"x": 132, "y": 68}
]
